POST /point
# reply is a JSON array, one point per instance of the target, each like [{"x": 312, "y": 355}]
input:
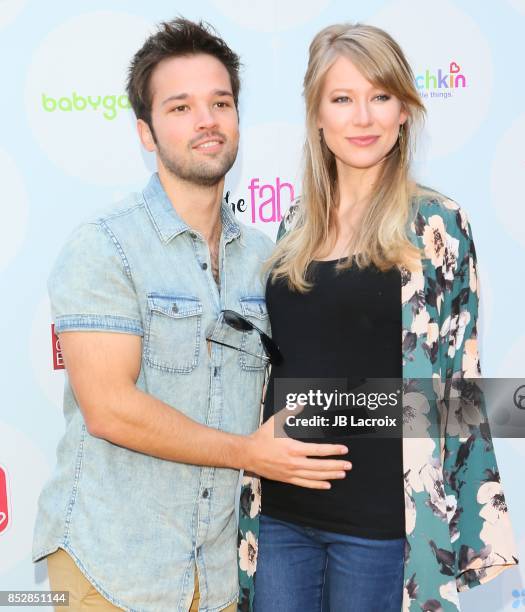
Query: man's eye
[
  {"x": 222, "y": 104},
  {"x": 181, "y": 108}
]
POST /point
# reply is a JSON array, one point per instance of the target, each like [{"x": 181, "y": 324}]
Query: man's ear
[{"x": 146, "y": 136}]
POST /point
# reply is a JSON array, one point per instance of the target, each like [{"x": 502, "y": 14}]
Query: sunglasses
[{"x": 238, "y": 322}]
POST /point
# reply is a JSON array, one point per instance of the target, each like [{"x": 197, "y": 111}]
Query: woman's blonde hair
[{"x": 382, "y": 238}]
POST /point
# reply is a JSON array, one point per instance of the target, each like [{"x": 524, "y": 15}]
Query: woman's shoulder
[
  {"x": 433, "y": 208},
  {"x": 430, "y": 200},
  {"x": 430, "y": 208},
  {"x": 289, "y": 219}
]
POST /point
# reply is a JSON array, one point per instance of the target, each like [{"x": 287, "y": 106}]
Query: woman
[{"x": 374, "y": 277}]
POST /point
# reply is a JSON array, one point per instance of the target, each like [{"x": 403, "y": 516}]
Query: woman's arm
[{"x": 480, "y": 528}]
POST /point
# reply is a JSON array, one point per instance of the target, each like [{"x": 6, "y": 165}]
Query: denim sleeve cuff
[{"x": 110, "y": 323}]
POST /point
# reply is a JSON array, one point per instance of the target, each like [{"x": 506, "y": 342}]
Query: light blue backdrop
[{"x": 58, "y": 166}]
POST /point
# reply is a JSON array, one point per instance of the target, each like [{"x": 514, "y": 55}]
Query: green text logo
[{"x": 108, "y": 105}]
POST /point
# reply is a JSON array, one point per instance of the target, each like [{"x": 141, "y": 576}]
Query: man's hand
[{"x": 276, "y": 457}]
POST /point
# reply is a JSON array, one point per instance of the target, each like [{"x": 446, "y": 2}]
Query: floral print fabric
[{"x": 457, "y": 528}]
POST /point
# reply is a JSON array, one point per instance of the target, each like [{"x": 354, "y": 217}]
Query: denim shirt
[{"x": 134, "y": 524}]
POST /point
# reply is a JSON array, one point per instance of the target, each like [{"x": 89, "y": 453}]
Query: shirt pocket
[
  {"x": 173, "y": 332},
  {"x": 253, "y": 309}
]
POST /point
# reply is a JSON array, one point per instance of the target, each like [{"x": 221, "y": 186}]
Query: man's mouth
[{"x": 209, "y": 145}]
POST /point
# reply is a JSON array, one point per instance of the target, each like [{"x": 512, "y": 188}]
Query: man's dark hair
[{"x": 176, "y": 38}]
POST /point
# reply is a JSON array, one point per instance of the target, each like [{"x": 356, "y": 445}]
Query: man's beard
[{"x": 203, "y": 173}]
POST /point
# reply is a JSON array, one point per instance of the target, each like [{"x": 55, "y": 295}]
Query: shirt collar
[
  {"x": 230, "y": 226},
  {"x": 168, "y": 223}
]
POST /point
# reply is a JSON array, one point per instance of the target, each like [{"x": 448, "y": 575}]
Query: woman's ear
[{"x": 403, "y": 115}]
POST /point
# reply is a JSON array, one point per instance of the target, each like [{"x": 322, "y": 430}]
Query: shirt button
[
  {"x": 174, "y": 308},
  {"x": 192, "y": 235},
  {"x": 205, "y": 493},
  {"x": 204, "y": 266}
]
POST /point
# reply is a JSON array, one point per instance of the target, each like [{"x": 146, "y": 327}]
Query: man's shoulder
[
  {"x": 120, "y": 211},
  {"x": 109, "y": 222},
  {"x": 98, "y": 235}
]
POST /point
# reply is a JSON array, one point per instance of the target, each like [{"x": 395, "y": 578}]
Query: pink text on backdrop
[
  {"x": 4, "y": 503},
  {"x": 265, "y": 199}
]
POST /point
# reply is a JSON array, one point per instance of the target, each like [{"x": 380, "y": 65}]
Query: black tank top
[{"x": 347, "y": 326}]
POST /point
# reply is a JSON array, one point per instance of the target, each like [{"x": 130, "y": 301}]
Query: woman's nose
[{"x": 362, "y": 114}]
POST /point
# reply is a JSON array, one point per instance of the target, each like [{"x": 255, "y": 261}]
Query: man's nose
[{"x": 205, "y": 119}]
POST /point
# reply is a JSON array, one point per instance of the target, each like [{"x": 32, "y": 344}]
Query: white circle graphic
[
  {"x": 270, "y": 15},
  {"x": 519, "y": 5},
  {"x": 75, "y": 98},
  {"x": 456, "y": 76},
  {"x": 9, "y": 10},
  {"x": 27, "y": 470},
  {"x": 508, "y": 168},
  {"x": 266, "y": 174},
  {"x": 512, "y": 364},
  {"x": 12, "y": 233}
]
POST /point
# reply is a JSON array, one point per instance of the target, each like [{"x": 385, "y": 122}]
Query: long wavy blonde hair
[{"x": 382, "y": 238}]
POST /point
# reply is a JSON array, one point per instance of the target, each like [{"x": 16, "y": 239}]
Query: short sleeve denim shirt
[{"x": 136, "y": 525}]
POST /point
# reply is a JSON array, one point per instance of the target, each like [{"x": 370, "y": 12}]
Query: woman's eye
[{"x": 345, "y": 99}]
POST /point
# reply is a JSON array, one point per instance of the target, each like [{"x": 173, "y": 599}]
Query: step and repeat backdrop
[{"x": 68, "y": 147}]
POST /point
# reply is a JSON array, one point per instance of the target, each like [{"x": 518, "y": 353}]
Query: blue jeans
[{"x": 301, "y": 569}]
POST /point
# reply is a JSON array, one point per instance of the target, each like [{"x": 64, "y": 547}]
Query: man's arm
[{"x": 103, "y": 369}]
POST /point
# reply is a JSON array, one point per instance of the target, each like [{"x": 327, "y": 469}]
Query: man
[{"x": 140, "y": 514}]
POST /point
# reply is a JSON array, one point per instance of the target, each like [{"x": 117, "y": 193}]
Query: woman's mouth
[{"x": 363, "y": 141}]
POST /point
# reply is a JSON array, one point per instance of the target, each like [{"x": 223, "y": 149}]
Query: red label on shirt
[
  {"x": 4, "y": 506},
  {"x": 58, "y": 360}
]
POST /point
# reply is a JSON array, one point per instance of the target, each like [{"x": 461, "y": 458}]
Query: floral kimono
[{"x": 457, "y": 528}]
